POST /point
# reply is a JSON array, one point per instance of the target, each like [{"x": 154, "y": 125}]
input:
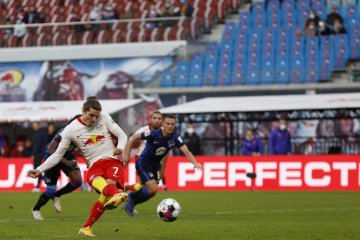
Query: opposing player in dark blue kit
[
  {"x": 148, "y": 165},
  {"x": 69, "y": 166}
]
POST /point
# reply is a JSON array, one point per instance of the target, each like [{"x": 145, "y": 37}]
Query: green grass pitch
[{"x": 205, "y": 215}]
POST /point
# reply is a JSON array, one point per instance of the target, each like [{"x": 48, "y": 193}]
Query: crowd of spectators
[
  {"x": 31, "y": 144},
  {"x": 332, "y": 25},
  {"x": 97, "y": 12}
]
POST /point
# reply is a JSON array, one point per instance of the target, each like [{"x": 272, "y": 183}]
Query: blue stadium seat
[
  {"x": 341, "y": 50},
  {"x": 196, "y": 69},
  {"x": 182, "y": 74},
  {"x": 239, "y": 58},
  {"x": 326, "y": 57},
  {"x": 268, "y": 48},
  {"x": 211, "y": 61},
  {"x": 254, "y": 59},
  {"x": 282, "y": 58},
  {"x": 167, "y": 79}
]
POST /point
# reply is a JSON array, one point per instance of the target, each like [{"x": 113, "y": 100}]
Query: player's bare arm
[
  {"x": 184, "y": 149},
  {"x": 129, "y": 146},
  {"x": 163, "y": 166}
]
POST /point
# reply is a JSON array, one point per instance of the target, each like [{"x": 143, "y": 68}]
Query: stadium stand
[
  {"x": 205, "y": 15},
  {"x": 267, "y": 45}
]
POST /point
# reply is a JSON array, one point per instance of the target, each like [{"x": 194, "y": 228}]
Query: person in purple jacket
[
  {"x": 280, "y": 140},
  {"x": 251, "y": 145}
]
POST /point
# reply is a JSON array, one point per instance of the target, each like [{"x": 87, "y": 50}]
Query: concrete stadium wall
[{"x": 103, "y": 51}]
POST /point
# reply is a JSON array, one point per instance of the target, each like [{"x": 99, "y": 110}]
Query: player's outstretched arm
[
  {"x": 163, "y": 165},
  {"x": 129, "y": 146},
  {"x": 185, "y": 150}
]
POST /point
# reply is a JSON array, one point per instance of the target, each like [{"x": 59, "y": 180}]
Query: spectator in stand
[
  {"x": 187, "y": 9},
  {"x": 313, "y": 19},
  {"x": 338, "y": 28},
  {"x": 280, "y": 140},
  {"x": 95, "y": 16},
  {"x": 305, "y": 136},
  {"x": 6, "y": 32},
  {"x": 251, "y": 145},
  {"x": 51, "y": 128},
  {"x": 152, "y": 14},
  {"x": 22, "y": 15},
  {"x": 18, "y": 149},
  {"x": 167, "y": 12},
  {"x": 2, "y": 144},
  {"x": 176, "y": 9},
  {"x": 28, "y": 148},
  {"x": 33, "y": 16},
  {"x": 192, "y": 140},
  {"x": 324, "y": 30},
  {"x": 311, "y": 30},
  {"x": 39, "y": 141},
  {"x": 19, "y": 31},
  {"x": 332, "y": 16},
  {"x": 108, "y": 13}
]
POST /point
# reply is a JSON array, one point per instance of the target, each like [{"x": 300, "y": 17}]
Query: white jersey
[
  {"x": 143, "y": 142},
  {"x": 95, "y": 143}
]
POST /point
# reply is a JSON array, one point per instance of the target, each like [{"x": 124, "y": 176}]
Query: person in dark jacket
[
  {"x": 192, "y": 140},
  {"x": 251, "y": 145},
  {"x": 334, "y": 16},
  {"x": 39, "y": 141},
  {"x": 280, "y": 140}
]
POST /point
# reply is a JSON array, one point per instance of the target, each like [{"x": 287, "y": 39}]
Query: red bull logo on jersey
[{"x": 94, "y": 139}]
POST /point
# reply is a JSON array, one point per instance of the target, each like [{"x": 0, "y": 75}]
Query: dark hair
[
  {"x": 91, "y": 102},
  {"x": 75, "y": 117},
  {"x": 169, "y": 116},
  {"x": 156, "y": 112}
]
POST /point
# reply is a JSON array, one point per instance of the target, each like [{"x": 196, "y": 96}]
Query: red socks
[
  {"x": 130, "y": 188},
  {"x": 96, "y": 211},
  {"x": 110, "y": 189}
]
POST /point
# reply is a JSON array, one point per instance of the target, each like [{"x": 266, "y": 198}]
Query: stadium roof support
[
  {"x": 292, "y": 107},
  {"x": 55, "y": 110}
]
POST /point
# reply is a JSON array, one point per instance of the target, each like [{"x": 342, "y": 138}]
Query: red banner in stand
[{"x": 275, "y": 173}]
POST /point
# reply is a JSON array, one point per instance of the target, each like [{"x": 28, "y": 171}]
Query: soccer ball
[{"x": 168, "y": 210}]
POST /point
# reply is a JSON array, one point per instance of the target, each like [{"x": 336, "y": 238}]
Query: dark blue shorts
[
  {"x": 147, "y": 173},
  {"x": 52, "y": 175}
]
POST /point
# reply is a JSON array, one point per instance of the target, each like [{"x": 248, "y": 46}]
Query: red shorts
[{"x": 108, "y": 169}]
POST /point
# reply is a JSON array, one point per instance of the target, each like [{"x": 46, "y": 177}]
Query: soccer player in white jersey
[
  {"x": 154, "y": 124},
  {"x": 92, "y": 134}
]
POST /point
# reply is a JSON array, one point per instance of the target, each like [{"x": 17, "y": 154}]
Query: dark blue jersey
[
  {"x": 68, "y": 154},
  {"x": 157, "y": 146}
]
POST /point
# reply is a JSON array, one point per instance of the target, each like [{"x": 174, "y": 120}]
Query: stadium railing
[{"x": 99, "y": 32}]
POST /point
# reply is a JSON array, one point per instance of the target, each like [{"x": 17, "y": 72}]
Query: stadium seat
[{"x": 167, "y": 79}]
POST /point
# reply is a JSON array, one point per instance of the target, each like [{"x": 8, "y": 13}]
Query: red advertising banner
[{"x": 284, "y": 173}]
